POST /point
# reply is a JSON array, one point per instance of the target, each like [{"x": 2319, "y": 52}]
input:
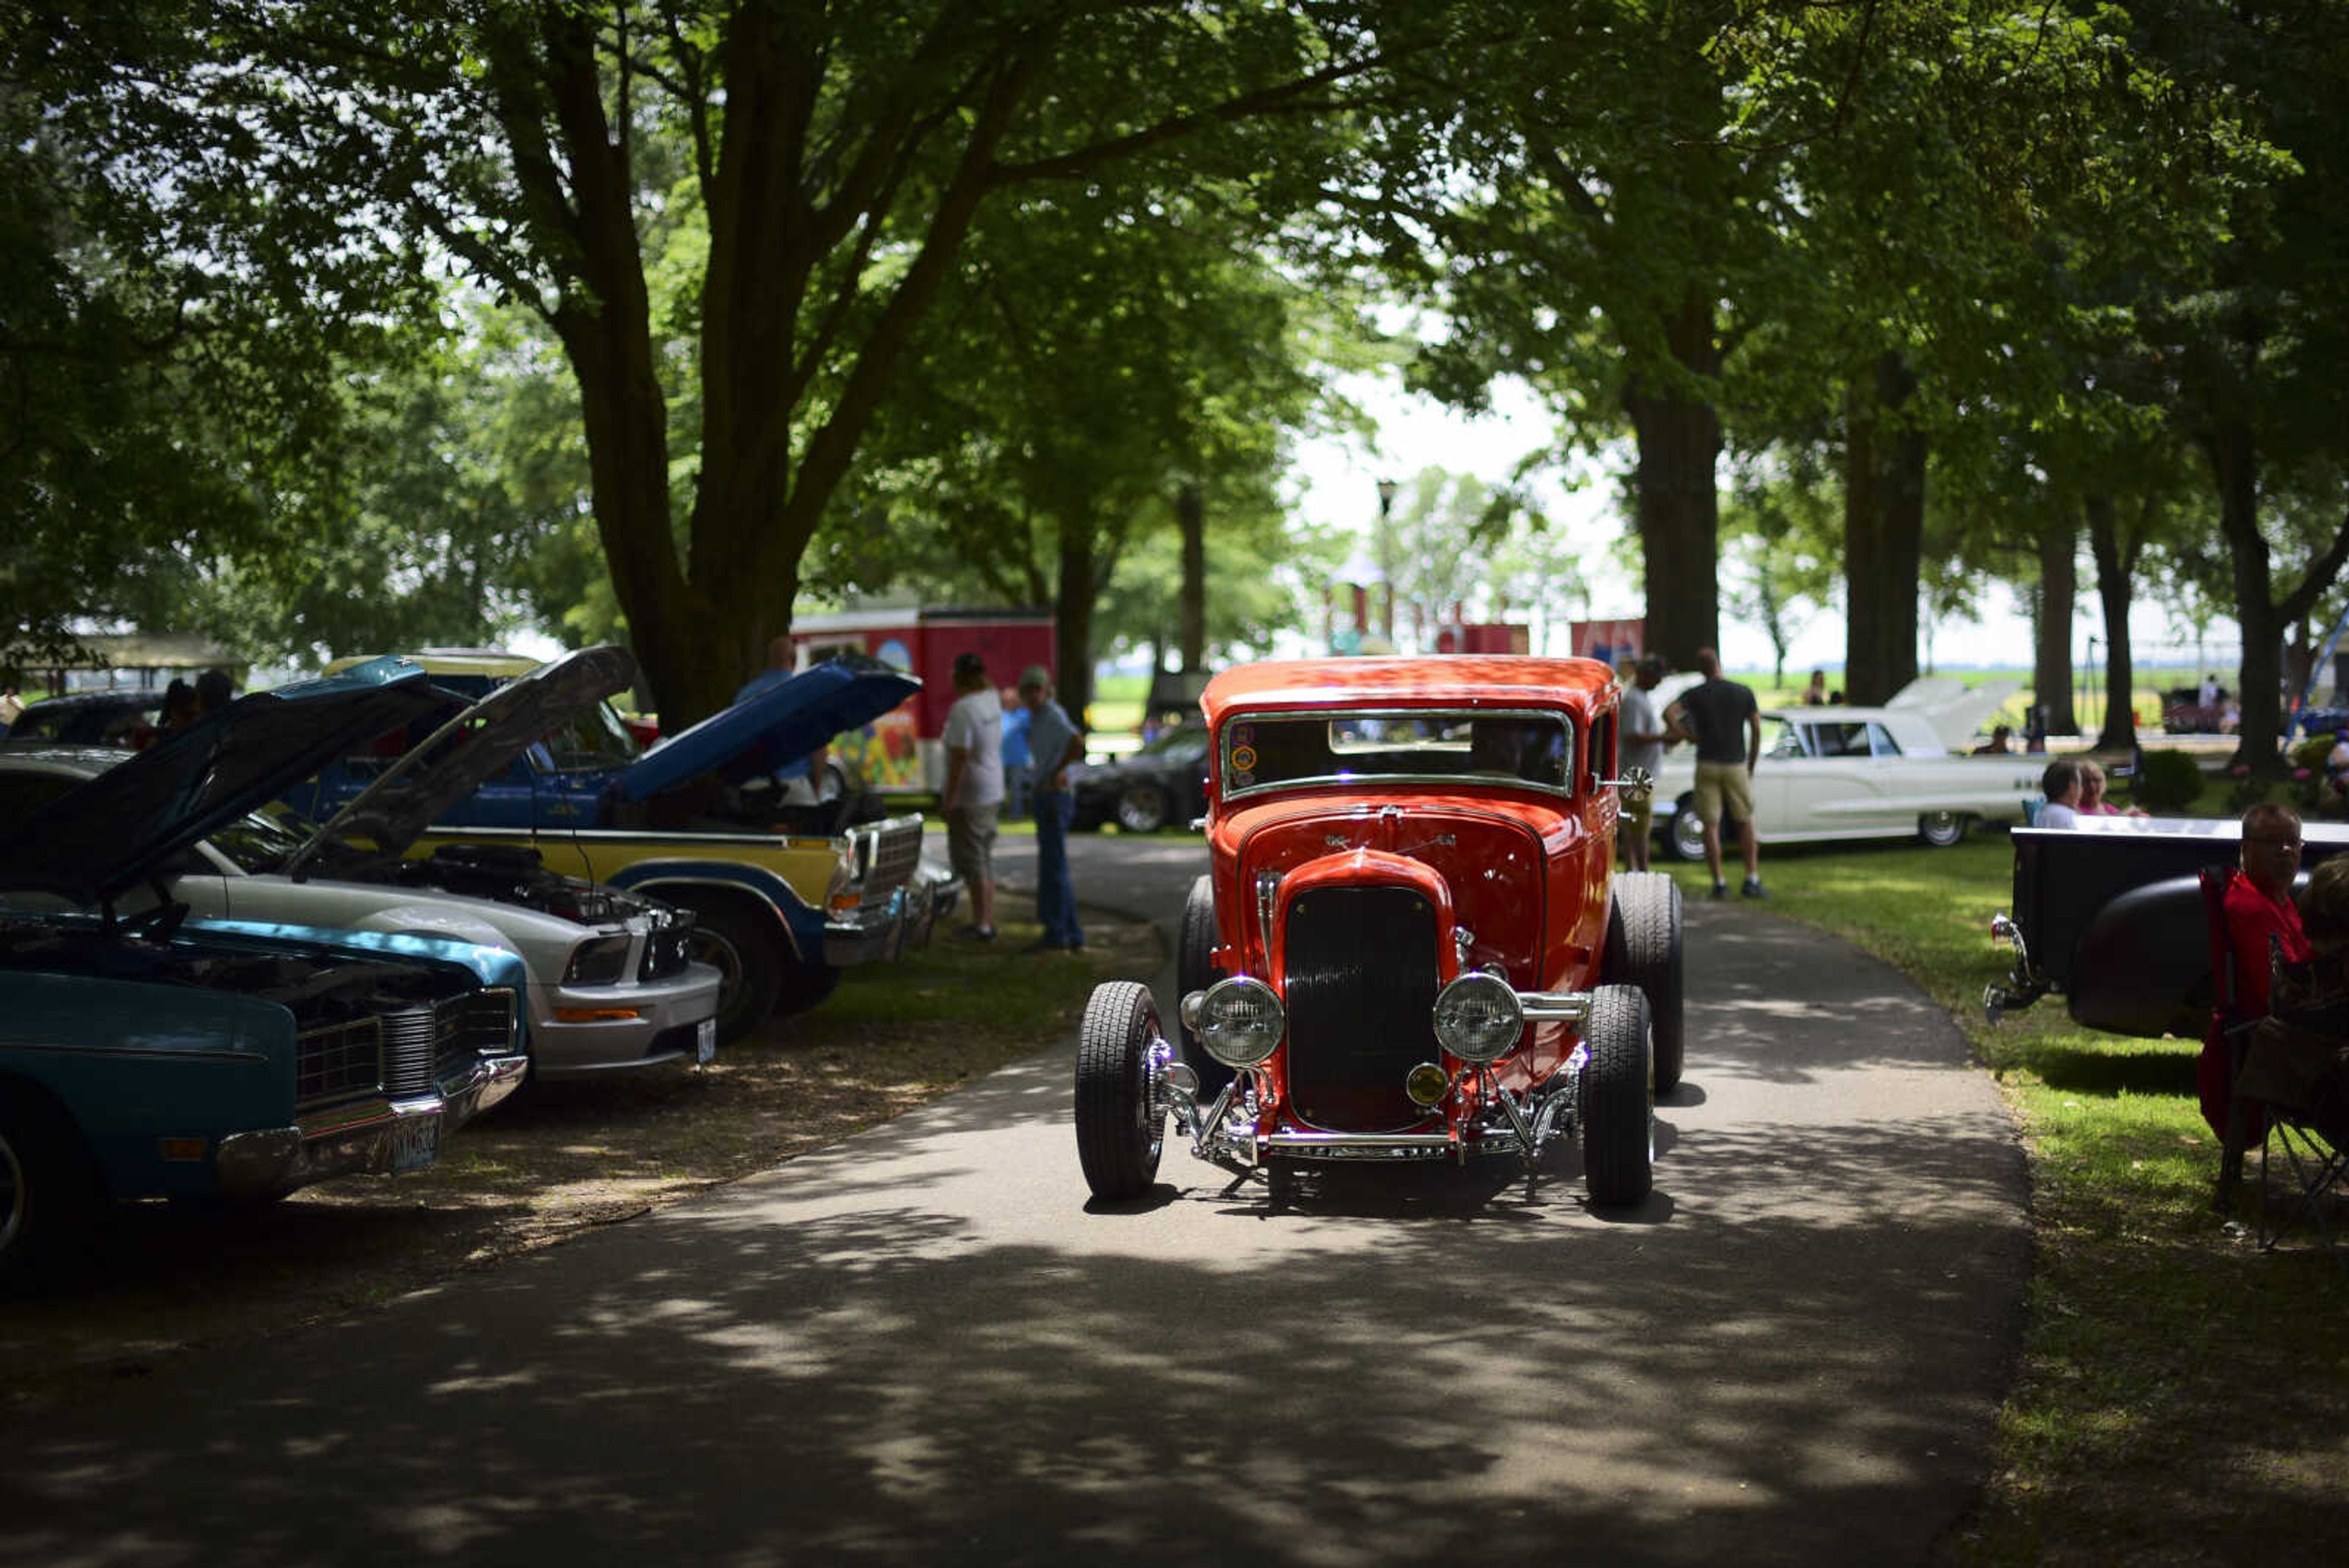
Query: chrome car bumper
[
  {"x": 666, "y": 1014},
  {"x": 369, "y": 1137}
]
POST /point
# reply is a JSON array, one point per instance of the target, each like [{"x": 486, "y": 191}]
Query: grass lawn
[{"x": 2182, "y": 1397}]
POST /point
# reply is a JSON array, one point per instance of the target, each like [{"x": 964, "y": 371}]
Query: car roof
[
  {"x": 489, "y": 663},
  {"x": 1444, "y": 679}
]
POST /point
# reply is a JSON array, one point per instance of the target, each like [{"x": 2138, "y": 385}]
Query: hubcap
[
  {"x": 1688, "y": 834},
  {"x": 708, "y": 947},
  {"x": 1139, "y": 811}
]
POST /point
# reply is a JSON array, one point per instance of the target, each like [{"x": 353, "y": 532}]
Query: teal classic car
[{"x": 145, "y": 1054}]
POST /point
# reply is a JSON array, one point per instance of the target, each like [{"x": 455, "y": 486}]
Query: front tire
[
  {"x": 1615, "y": 1109},
  {"x": 1120, "y": 1126},
  {"x": 803, "y": 987},
  {"x": 48, "y": 1190},
  {"x": 1942, "y": 829},
  {"x": 1195, "y": 969},
  {"x": 1644, "y": 948},
  {"x": 1141, "y": 808},
  {"x": 739, "y": 942}
]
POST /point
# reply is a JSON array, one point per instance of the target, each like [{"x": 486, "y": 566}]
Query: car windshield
[
  {"x": 1531, "y": 750},
  {"x": 257, "y": 843}
]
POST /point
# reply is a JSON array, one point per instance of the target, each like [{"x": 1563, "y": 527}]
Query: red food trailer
[{"x": 902, "y": 750}]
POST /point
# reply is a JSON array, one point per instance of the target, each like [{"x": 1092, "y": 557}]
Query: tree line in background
[{"x": 330, "y": 324}]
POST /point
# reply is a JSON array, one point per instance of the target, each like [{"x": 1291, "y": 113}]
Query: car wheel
[
  {"x": 1616, "y": 1108},
  {"x": 1141, "y": 808},
  {"x": 1643, "y": 948},
  {"x": 803, "y": 987},
  {"x": 1195, "y": 969},
  {"x": 1942, "y": 829},
  {"x": 735, "y": 937},
  {"x": 1120, "y": 1126},
  {"x": 48, "y": 1189},
  {"x": 1688, "y": 832}
]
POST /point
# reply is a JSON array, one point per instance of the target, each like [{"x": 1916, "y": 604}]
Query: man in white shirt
[
  {"x": 1640, "y": 744},
  {"x": 973, "y": 796},
  {"x": 2061, "y": 784}
]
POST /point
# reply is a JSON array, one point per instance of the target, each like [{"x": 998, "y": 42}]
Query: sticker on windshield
[{"x": 1244, "y": 759}]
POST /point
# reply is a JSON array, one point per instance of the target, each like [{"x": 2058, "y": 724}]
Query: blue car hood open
[
  {"x": 777, "y": 722},
  {"x": 93, "y": 842}
]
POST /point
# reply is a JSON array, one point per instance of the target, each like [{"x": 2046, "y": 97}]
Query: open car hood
[
  {"x": 469, "y": 751},
  {"x": 96, "y": 840},
  {"x": 1953, "y": 709},
  {"x": 778, "y": 720}
]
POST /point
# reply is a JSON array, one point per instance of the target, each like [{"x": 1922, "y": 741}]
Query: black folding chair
[{"x": 2295, "y": 1076}]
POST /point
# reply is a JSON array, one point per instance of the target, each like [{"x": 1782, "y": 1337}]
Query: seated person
[
  {"x": 2262, "y": 928},
  {"x": 2336, "y": 769},
  {"x": 2061, "y": 784},
  {"x": 1999, "y": 744},
  {"x": 2092, "y": 792}
]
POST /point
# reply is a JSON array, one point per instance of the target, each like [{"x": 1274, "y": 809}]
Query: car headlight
[
  {"x": 598, "y": 961},
  {"x": 1240, "y": 1021},
  {"x": 1477, "y": 1017}
]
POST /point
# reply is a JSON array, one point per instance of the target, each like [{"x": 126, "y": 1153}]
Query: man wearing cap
[
  {"x": 1055, "y": 745},
  {"x": 1642, "y": 741},
  {"x": 973, "y": 795}
]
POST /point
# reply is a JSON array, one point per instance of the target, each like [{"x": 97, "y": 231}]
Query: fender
[{"x": 802, "y": 925}]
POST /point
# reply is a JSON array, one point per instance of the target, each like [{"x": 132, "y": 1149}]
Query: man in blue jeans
[{"x": 1054, "y": 746}]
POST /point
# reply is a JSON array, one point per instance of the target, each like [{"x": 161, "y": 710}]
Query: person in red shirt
[
  {"x": 2262, "y": 925},
  {"x": 2260, "y": 912}
]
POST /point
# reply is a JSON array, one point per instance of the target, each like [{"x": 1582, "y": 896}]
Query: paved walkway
[{"x": 920, "y": 1347}]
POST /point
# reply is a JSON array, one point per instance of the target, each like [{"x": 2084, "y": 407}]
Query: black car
[
  {"x": 119, "y": 716},
  {"x": 1166, "y": 781}
]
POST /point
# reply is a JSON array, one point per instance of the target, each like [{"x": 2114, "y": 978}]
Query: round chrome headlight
[
  {"x": 1240, "y": 1021},
  {"x": 1477, "y": 1017}
]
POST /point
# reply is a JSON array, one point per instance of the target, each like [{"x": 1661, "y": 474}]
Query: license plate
[
  {"x": 705, "y": 1042},
  {"x": 416, "y": 1143}
]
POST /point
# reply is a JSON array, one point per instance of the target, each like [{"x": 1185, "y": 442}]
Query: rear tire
[
  {"x": 1644, "y": 948},
  {"x": 1688, "y": 832},
  {"x": 739, "y": 940},
  {"x": 1121, "y": 1127},
  {"x": 1141, "y": 808},
  {"x": 48, "y": 1189},
  {"x": 1195, "y": 969},
  {"x": 1942, "y": 829},
  {"x": 1615, "y": 1110}
]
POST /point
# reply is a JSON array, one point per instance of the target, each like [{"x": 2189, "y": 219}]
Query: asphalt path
[{"x": 923, "y": 1346}]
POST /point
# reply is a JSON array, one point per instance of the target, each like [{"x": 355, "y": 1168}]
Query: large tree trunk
[
  {"x": 2115, "y": 562},
  {"x": 1676, "y": 494},
  {"x": 1883, "y": 531},
  {"x": 1072, "y": 640},
  {"x": 2234, "y": 467},
  {"x": 2057, "y": 602},
  {"x": 1191, "y": 516}
]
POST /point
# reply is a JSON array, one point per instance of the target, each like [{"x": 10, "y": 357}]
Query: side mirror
[{"x": 1634, "y": 778}]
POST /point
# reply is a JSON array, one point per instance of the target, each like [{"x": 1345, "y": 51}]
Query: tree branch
[{"x": 2320, "y": 577}]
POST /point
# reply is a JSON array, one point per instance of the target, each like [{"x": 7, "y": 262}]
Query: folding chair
[{"x": 2295, "y": 1076}]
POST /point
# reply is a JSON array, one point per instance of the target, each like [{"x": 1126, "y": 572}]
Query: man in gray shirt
[
  {"x": 1640, "y": 745},
  {"x": 1055, "y": 744}
]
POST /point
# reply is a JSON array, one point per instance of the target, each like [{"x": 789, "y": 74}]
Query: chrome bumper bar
[{"x": 361, "y": 1139}]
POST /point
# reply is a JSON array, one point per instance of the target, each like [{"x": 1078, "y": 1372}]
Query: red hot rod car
[{"x": 1409, "y": 946}]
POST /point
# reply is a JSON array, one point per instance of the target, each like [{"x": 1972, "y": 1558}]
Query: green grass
[{"x": 2175, "y": 1381}]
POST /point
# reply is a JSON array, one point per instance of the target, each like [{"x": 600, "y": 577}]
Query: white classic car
[
  {"x": 1836, "y": 773},
  {"x": 612, "y": 982}
]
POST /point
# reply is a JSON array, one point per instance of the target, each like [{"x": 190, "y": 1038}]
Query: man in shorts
[
  {"x": 973, "y": 796},
  {"x": 1721, "y": 717}
]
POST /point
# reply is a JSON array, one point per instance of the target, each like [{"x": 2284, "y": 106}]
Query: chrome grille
[
  {"x": 479, "y": 1023},
  {"x": 338, "y": 1060},
  {"x": 409, "y": 1037},
  {"x": 1362, "y": 982},
  {"x": 891, "y": 851}
]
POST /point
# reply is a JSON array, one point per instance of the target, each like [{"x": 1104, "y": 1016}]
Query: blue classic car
[{"x": 146, "y": 1055}]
